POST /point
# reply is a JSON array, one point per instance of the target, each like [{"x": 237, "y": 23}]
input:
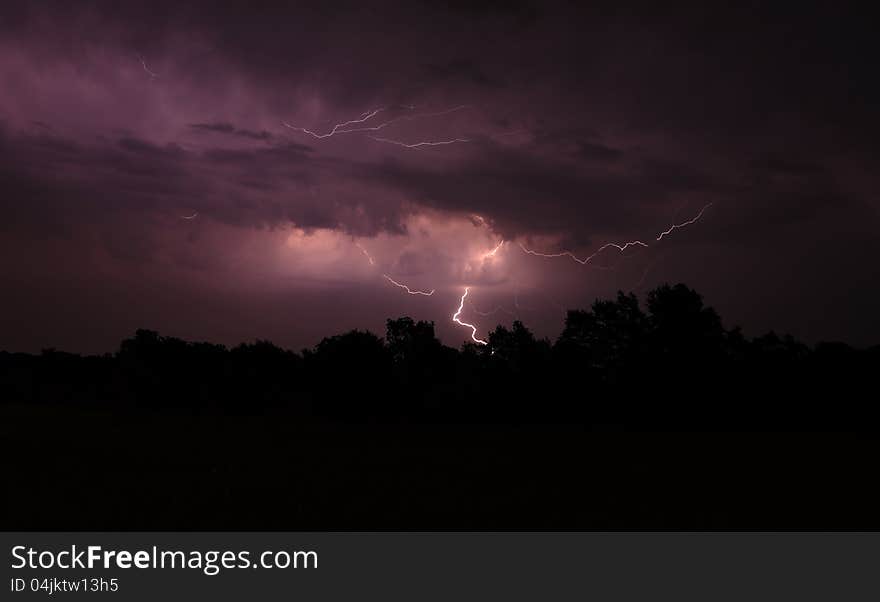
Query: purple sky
[{"x": 549, "y": 128}]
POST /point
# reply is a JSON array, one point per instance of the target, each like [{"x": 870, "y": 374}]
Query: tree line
[{"x": 669, "y": 363}]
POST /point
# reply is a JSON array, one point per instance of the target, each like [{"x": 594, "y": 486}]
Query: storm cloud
[{"x": 548, "y": 125}]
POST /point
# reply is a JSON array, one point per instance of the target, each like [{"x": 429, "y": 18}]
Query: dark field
[{"x": 102, "y": 470}]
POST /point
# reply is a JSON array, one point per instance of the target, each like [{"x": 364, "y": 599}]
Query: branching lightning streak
[
  {"x": 344, "y": 127},
  {"x": 406, "y": 288},
  {"x": 471, "y": 326},
  {"x": 385, "y": 124},
  {"x": 620, "y": 248},
  {"x": 683, "y": 224},
  {"x": 336, "y": 128}
]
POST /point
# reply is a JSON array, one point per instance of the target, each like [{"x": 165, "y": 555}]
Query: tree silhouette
[
  {"x": 680, "y": 324},
  {"x": 404, "y": 432},
  {"x": 349, "y": 373},
  {"x": 605, "y": 339},
  {"x": 669, "y": 362},
  {"x": 408, "y": 340}
]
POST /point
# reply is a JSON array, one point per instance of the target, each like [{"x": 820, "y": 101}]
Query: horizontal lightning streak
[
  {"x": 336, "y": 128},
  {"x": 193, "y": 216},
  {"x": 620, "y": 248},
  {"x": 419, "y": 144},
  {"x": 406, "y": 288},
  {"x": 384, "y": 124},
  {"x": 344, "y": 127},
  {"x": 471, "y": 326}
]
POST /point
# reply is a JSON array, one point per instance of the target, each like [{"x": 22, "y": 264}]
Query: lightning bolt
[
  {"x": 384, "y": 124},
  {"x": 147, "y": 69},
  {"x": 493, "y": 251},
  {"x": 337, "y": 129},
  {"x": 406, "y": 288},
  {"x": 364, "y": 251},
  {"x": 620, "y": 248},
  {"x": 471, "y": 326},
  {"x": 392, "y": 280},
  {"x": 419, "y": 144},
  {"x": 683, "y": 224},
  {"x": 345, "y": 127},
  {"x": 193, "y": 216}
]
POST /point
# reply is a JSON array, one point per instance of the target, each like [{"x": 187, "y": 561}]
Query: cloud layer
[{"x": 547, "y": 126}]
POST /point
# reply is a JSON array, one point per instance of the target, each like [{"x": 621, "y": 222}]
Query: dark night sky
[{"x": 552, "y": 127}]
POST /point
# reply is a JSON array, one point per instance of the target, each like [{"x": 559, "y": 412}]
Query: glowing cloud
[{"x": 494, "y": 251}]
